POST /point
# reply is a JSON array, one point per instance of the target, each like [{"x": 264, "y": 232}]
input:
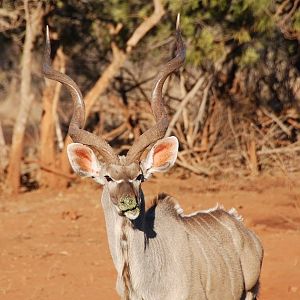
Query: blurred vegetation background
[{"x": 234, "y": 106}]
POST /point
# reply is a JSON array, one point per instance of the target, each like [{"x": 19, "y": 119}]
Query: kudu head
[{"x": 121, "y": 175}]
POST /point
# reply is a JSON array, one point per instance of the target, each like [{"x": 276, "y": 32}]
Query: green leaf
[
  {"x": 249, "y": 57},
  {"x": 296, "y": 21},
  {"x": 242, "y": 36}
]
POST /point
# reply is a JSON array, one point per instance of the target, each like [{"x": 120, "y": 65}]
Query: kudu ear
[
  {"x": 161, "y": 157},
  {"x": 83, "y": 161}
]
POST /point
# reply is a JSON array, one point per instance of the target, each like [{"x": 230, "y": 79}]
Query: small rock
[
  {"x": 71, "y": 215},
  {"x": 293, "y": 289}
]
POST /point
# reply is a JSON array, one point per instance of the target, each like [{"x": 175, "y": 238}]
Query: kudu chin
[{"x": 160, "y": 253}]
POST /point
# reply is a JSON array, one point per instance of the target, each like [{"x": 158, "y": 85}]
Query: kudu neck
[{"x": 111, "y": 214}]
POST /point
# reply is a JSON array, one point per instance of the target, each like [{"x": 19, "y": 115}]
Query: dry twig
[{"x": 184, "y": 102}]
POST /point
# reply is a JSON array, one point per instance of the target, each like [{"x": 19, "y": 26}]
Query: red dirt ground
[{"x": 53, "y": 244}]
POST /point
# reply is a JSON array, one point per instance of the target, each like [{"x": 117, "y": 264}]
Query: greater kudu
[{"x": 160, "y": 253}]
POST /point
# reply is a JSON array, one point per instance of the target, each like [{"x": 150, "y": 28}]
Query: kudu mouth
[{"x": 129, "y": 207}]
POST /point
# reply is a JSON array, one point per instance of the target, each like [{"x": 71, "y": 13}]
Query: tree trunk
[
  {"x": 26, "y": 97},
  {"x": 48, "y": 156},
  {"x": 3, "y": 154}
]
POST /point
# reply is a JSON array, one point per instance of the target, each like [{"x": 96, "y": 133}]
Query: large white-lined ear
[
  {"x": 161, "y": 157},
  {"x": 83, "y": 160}
]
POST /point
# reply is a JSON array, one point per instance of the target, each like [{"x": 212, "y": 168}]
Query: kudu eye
[
  {"x": 140, "y": 178},
  {"x": 108, "y": 179}
]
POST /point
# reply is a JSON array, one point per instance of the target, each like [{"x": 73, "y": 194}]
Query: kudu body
[{"x": 160, "y": 253}]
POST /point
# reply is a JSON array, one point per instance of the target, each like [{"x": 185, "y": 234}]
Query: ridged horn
[
  {"x": 76, "y": 131},
  {"x": 157, "y": 103}
]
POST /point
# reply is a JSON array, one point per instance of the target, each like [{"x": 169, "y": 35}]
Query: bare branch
[
  {"x": 191, "y": 94},
  {"x": 26, "y": 97},
  {"x": 277, "y": 121},
  {"x": 148, "y": 24},
  {"x": 3, "y": 153},
  {"x": 201, "y": 112},
  {"x": 195, "y": 169},
  {"x": 119, "y": 56}
]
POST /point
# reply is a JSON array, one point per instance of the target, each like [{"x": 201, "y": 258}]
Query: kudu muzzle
[{"x": 126, "y": 197}]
